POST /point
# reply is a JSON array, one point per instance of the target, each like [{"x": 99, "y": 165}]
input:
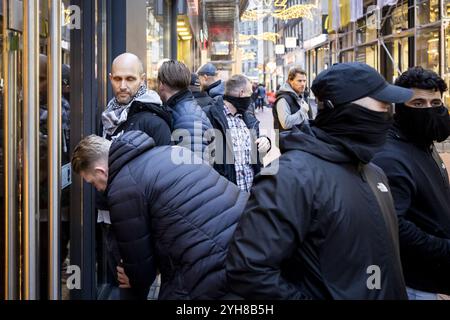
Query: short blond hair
[{"x": 88, "y": 151}]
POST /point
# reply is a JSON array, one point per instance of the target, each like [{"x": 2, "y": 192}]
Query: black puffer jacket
[
  {"x": 174, "y": 218},
  {"x": 319, "y": 229}
]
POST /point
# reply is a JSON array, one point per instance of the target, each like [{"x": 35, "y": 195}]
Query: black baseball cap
[{"x": 346, "y": 82}]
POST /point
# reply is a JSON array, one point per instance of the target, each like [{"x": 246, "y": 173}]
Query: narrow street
[{"x": 266, "y": 127}]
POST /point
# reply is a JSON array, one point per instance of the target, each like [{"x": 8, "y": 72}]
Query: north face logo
[{"x": 382, "y": 187}]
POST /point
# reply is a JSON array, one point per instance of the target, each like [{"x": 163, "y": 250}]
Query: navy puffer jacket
[
  {"x": 174, "y": 218},
  {"x": 188, "y": 115}
]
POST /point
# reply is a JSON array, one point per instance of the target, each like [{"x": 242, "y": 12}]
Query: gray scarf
[{"x": 116, "y": 113}]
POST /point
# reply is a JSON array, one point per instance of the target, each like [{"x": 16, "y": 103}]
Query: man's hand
[
  {"x": 124, "y": 282},
  {"x": 263, "y": 144}
]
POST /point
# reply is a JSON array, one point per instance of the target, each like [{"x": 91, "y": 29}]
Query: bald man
[{"x": 134, "y": 107}]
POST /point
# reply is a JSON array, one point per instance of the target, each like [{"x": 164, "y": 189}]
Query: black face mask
[
  {"x": 360, "y": 130},
  {"x": 423, "y": 125},
  {"x": 241, "y": 104}
]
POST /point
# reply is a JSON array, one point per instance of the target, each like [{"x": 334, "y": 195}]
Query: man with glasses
[{"x": 420, "y": 184}]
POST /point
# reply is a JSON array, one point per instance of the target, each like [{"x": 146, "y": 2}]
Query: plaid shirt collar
[{"x": 227, "y": 111}]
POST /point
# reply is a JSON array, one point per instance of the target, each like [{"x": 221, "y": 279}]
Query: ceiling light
[
  {"x": 184, "y": 33},
  {"x": 180, "y": 23},
  {"x": 182, "y": 29}
]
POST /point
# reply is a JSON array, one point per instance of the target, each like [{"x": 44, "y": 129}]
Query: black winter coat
[
  {"x": 421, "y": 191},
  {"x": 202, "y": 98},
  {"x": 219, "y": 121},
  {"x": 317, "y": 229},
  {"x": 153, "y": 119},
  {"x": 177, "y": 219}
]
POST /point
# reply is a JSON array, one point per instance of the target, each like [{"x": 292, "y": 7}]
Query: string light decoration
[
  {"x": 295, "y": 12},
  {"x": 254, "y": 15},
  {"x": 244, "y": 37},
  {"x": 249, "y": 56},
  {"x": 280, "y": 11},
  {"x": 267, "y": 36}
]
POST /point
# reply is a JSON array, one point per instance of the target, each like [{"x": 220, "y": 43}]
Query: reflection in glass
[
  {"x": 428, "y": 49},
  {"x": 368, "y": 54},
  {"x": 427, "y": 11}
]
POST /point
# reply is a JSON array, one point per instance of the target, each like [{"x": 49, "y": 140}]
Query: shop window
[
  {"x": 364, "y": 33},
  {"x": 427, "y": 11},
  {"x": 368, "y": 54},
  {"x": 323, "y": 58},
  {"x": 446, "y": 12},
  {"x": 446, "y": 71},
  {"x": 427, "y": 43},
  {"x": 346, "y": 56},
  {"x": 346, "y": 38},
  {"x": 398, "y": 20},
  {"x": 397, "y": 61},
  {"x": 157, "y": 41}
]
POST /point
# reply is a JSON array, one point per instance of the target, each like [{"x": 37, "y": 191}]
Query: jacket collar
[
  {"x": 213, "y": 85},
  {"x": 124, "y": 149},
  {"x": 397, "y": 134},
  {"x": 178, "y": 97}
]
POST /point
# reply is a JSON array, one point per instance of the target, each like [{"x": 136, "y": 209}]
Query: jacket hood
[
  {"x": 216, "y": 89},
  {"x": 125, "y": 148},
  {"x": 313, "y": 141},
  {"x": 285, "y": 87},
  {"x": 150, "y": 97},
  {"x": 151, "y": 102}
]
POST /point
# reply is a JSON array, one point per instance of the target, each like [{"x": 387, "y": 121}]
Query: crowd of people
[{"x": 356, "y": 207}]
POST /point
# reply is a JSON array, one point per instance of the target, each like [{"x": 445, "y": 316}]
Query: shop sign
[
  {"x": 279, "y": 49},
  {"x": 221, "y": 48},
  {"x": 289, "y": 58},
  {"x": 291, "y": 42},
  {"x": 192, "y": 7},
  {"x": 314, "y": 42}
]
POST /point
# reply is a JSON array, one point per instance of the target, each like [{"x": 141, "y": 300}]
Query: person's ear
[
  {"x": 143, "y": 78},
  {"x": 110, "y": 76},
  {"x": 101, "y": 170}
]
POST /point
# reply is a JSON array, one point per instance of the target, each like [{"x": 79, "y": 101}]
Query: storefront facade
[{"x": 390, "y": 39}]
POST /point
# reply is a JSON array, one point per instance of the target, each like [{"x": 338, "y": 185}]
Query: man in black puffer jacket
[{"x": 174, "y": 218}]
